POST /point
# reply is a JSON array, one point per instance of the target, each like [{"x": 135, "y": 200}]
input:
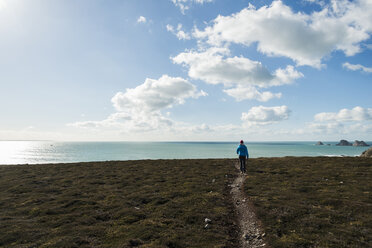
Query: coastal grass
[
  {"x": 313, "y": 201},
  {"x": 300, "y": 201},
  {"x": 151, "y": 203}
]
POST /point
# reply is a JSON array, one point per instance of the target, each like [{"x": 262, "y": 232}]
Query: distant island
[
  {"x": 346, "y": 143},
  {"x": 360, "y": 143}
]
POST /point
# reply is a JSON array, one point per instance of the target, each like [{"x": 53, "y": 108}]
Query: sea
[{"x": 36, "y": 152}]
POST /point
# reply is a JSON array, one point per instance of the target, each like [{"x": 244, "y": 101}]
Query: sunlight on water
[
  {"x": 29, "y": 152},
  {"x": 12, "y": 152}
]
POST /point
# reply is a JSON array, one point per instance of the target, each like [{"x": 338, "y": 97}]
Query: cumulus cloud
[
  {"x": 357, "y": 67},
  {"x": 181, "y": 35},
  {"x": 185, "y": 4},
  {"x": 355, "y": 114},
  {"x": 249, "y": 92},
  {"x": 261, "y": 115},
  {"x": 128, "y": 123},
  {"x": 352, "y": 122},
  {"x": 305, "y": 38},
  {"x": 241, "y": 76},
  {"x": 139, "y": 109},
  {"x": 141, "y": 19},
  {"x": 154, "y": 94}
]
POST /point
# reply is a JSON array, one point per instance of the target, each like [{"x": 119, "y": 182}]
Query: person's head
[{"x": 241, "y": 142}]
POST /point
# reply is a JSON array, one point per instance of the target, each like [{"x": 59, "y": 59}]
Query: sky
[{"x": 185, "y": 70}]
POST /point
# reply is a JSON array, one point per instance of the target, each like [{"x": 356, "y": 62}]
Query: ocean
[{"x": 34, "y": 152}]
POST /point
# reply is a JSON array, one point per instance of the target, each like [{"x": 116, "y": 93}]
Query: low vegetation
[
  {"x": 159, "y": 203},
  {"x": 301, "y": 202},
  {"x": 313, "y": 201}
]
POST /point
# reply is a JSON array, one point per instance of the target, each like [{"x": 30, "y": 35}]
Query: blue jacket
[{"x": 242, "y": 151}]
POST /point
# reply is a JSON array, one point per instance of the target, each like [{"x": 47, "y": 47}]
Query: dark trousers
[{"x": 242, "y": 163}]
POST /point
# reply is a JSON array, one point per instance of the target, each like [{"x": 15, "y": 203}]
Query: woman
[{"x": 243, "y": 154}]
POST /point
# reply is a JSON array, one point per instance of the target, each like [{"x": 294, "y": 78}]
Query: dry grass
[
  {"x": 302, "y": 202},
  {"x": 159, "y": 203},
  {"x": 313, "y": 201}
]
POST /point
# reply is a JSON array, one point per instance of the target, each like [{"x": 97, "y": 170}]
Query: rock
[
  {"x": 134, "y": 243},
  {"x": 206, "y": 220},
  {"x": 248, "y": 237},
  {"x": 319, "y": 143},
  {"x": 344, "y": 143},
  {"x": 367, "y": 153},
  {"x": 360, "y": 143}
]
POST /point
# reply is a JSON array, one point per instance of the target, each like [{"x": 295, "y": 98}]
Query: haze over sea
[{"x": 33, "y": 152}]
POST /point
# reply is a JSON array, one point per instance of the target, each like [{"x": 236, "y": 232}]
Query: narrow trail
[{"x": 251, "y": 236}]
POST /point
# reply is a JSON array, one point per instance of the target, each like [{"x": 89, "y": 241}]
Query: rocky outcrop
[
  {"x": 360, "y": 143},
  {"x": 319, "y": 143},
  {"x": 344, "y": 143},
  {"x": 367, "y": 153}
]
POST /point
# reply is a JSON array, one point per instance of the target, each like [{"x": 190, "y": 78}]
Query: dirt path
[{"x": 250, "y": 234}]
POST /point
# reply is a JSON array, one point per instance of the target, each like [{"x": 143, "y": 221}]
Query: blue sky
[{"x": 216, "y": 70}]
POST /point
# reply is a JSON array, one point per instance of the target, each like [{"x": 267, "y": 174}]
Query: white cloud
[
  {"x": 357, "y": 67},
  {"x": 139, "y": 109},
  {"x": 319, "y": 2},
  {"x": 141, "y": 19},
  {"x": 181, "y": 35},
  {"x": 241, "y": 76},
  {"x": 250, "y": 92},
  {"x": 337, "y": 130},
  {"x": 170, "y": 28},
  {"x": 355, "y": 114},
  {"x": 346, "y": 124},
  {"x": 326, "y": 128},
  {"x": 185, "y": 4},
  {"x": 368, "y": 46},
  {"x": 154, "y": 95},
  {"x": 305, "y": 38},
  {"x": 261, "y": 115},
  {"x": 128, "y": 123}
]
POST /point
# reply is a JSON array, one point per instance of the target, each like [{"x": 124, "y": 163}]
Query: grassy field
[
  {"x": 314, "y": 201},
  {"x": 301, "y": 202},
  {"x": 159, "y": 203}
]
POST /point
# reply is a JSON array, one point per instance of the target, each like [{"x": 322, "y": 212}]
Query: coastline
[{"x": 35, "y": 152}]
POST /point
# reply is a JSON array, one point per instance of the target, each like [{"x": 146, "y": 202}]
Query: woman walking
[{"x": 242, "y": 151}]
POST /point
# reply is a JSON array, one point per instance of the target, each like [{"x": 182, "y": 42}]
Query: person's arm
[
  {"x": 237, "y": 150},
  {"x": 247, "y": 152}
]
